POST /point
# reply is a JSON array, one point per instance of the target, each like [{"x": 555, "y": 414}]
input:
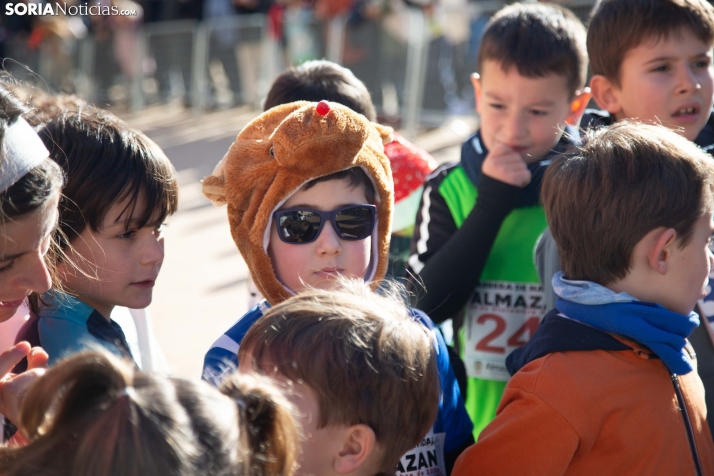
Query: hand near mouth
[{"x": 506, "y": 165}]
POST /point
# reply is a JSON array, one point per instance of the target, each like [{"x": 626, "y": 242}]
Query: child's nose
[
  {"x": 153, "y": 252},
  {"x": 514, "y": 128},
  {"x": 328, "y": 242},
  {"x": 35, "y": 277},
  {"x": 688, "y": 81}
]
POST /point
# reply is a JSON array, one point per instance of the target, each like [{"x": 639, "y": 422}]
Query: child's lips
[
  {"x": 687, "y": 113},
  {"x": 11, "y": 304},
  {"x": 329, "y": 272},
  {"x": 146, "y": 284}
]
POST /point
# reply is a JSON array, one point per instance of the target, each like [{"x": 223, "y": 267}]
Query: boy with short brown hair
[
  {"x": 631, "y": 213},
  {"x": 361, "y": 371},
  {"x": 652, "y": 61},
  {"x": 479, "y": 219}
]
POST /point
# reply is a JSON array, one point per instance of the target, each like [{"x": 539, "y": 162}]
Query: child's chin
[
  {"x": 138, "y": 303},
  {"x": 325, "y": 283},
  {"x": 7, "y": 312}
]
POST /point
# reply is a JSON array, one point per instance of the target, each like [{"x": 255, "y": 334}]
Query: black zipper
[{"x": 687, "y": 424}]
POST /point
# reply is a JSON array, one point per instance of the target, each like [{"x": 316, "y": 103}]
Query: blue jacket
[{"x": 68, "y": 326}]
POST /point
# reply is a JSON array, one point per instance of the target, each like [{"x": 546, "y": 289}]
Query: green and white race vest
[{"x": 507, "y": 305}]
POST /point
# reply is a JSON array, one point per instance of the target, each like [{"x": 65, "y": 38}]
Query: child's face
[
  {"x": 318, "y": 263},
  {"x": 526, "y": 114},
  {"x": 125, "y": 260},
  {"x": 690, "y": 267},
  {"x": 23, "y": 245},
  {"x": 667, "y": 81}
]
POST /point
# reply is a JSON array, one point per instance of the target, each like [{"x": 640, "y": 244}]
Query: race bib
[
  {"x": 501, "y": 317},
  {"x": 427, "y": 458}
]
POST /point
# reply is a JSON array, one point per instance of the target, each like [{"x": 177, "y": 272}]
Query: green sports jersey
[
  {"x": 507, "y": 304},
  {"x": 473, "y": 254}
]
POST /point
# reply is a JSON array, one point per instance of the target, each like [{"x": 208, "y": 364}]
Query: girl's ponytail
[
  {"x": 94, "y": 415},
  {"x": 81, "y": 387},
  {"x": 268, "y": 429}
]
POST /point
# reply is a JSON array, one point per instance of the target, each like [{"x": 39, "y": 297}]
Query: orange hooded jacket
[{"x": 609, "y": 408}]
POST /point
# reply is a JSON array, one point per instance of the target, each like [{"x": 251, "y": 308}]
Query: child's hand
[
  {"x": 14, "y": 386},
  {"x": 506, "y": 165}
]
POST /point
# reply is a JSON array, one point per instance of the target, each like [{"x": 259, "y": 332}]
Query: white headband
[{"x": 21, "y": 152}]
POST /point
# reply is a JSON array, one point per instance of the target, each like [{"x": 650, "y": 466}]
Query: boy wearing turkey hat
[{"x": 310, "y": 196}]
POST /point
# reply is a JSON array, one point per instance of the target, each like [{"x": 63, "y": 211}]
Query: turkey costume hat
[{"x": 279, "y": 152}]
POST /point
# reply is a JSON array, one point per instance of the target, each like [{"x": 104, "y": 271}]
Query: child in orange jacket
[{"x": 608, "y": 383}]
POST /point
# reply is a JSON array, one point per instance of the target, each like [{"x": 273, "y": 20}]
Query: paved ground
[{"x": 202, "y": 288}]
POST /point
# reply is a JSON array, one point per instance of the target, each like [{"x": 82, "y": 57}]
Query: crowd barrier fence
[{"x": 415, "y": 66}]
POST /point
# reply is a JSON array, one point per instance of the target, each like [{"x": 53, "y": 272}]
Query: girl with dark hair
[{"x": 120, "y": 189}]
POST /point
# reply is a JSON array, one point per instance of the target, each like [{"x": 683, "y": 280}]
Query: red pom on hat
[{"x": 323, "y": 107}]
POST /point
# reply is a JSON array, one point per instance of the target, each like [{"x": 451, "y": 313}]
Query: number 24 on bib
[{"x": 501, "y": 317}]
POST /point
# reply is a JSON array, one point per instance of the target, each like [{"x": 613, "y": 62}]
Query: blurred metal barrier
[
  {"x": 415, "y": 66},
  {"x": 230, "y": 62},
  {"x": 417, "y": 56},
  {"x": 170, "y": 45},
  {"x": 452, "y": 57}
]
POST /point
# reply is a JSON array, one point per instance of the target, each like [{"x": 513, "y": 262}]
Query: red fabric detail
[{"x": 410, "y": 166}]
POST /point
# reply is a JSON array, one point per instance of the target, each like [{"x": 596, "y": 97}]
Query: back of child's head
[
  {"x": 623, "y": 182},
  {"x": 538, "y": 40},
  {"x": 105, "y": 162},
  {"x": 93, "y": 415},
  {"x": 367, "y": 360},
  {"x": 317, "y": 80},
  {"x": 618, "y": 26}
]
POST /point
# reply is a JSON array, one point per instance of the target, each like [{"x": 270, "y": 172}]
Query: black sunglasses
[{"x": 303, "y": 225}]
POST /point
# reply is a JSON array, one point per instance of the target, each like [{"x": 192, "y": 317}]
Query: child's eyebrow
[
  {"x": 120, "y": 221},
  {"x": 670, "y": 58},
  {"x": 136, "y": 220},
  {"x": 544, "y": 103}
]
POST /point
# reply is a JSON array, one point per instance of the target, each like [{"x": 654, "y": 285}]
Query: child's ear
[
  {"x": 359, "y": 444},
  {"x": 213, "y": 186},
  {"x": 577, "y": 106},
  {"x": 605, "y": 94},
  {"x": 660, "y": 252},
  {"x": 476, "y": 81}
]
